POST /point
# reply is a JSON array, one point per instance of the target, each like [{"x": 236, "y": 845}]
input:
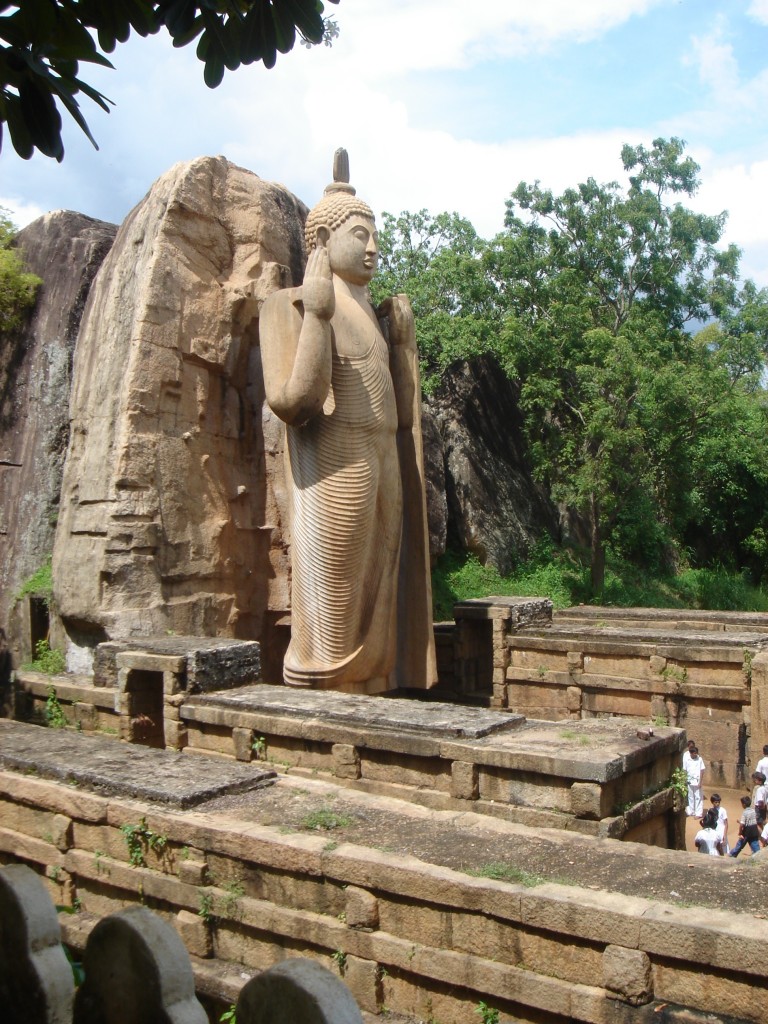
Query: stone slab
[
  {"x": 211, "y": 662},
  {"x": 667, "y": 616},
  {"x": 427, "y": 718},
  {"x": 125, "y": 770},
  {"x": 658, "y": 635}
]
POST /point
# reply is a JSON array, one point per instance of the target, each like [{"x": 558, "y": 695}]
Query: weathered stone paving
[
  {"x": 427, "y": 718},
  {"x": 121, "y": 769}
]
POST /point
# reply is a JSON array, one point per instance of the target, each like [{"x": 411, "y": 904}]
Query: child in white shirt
[
  {"x": 722, "y": 822},
  {"x": 706, "y": 838},
  {"x": 759, "y": 797}
]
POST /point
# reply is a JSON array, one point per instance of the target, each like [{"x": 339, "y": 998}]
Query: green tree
[
  {"x": 43, "y": 42},
  {"x": 17, "y": 288},
  {"x": 599, "y": 284},
  {"x": 438, "y": 262}
]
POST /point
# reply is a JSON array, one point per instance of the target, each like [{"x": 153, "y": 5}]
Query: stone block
[
  {"x": 195, "y": 933},
  {"x": 711, "y": 992},
  {"x": 362, "y": 908},
  {"x": 672, "y": 707},
  {"x": 586, "y": 800},
  {"x": 85, "y": 715},
  {"x": 363, "y": 979},
  {"x": 175, "y": 735},
  {"x": 627, "y": 975},
  {"x": 149, "y": 661},
  {"x": 575, "y": 661},
  {"x": 659, "y": 707},
  {"x": 594, "y": 916},
  {"x": 657, "y": 664},
  {"x": 499, "y": 699},
  {"x": 346, "y": 761},
  {"x": 61, "y": 831},
  {"x": 242, "y": 740},
  {"x": 229, "y": 663},
  {"x": 573, "y": 698},
  {"x": 193, "y": 872},
  {"x": 464, "y": 780}
]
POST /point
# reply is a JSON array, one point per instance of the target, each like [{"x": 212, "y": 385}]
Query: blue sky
[{"x": 443, "y": 105}]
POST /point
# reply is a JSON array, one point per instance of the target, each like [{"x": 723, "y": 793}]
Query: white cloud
[
  {"x": 421, "y": 35},
  {"x": 758, "y": 10},
  {"x": 740, "y": 188},
  {"x": 20, "y": 211},
  {"x": 729, "y": 96},
  {"x": 716, "y": 62}
]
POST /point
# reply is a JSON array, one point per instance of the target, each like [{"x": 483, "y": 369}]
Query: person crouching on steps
[
  {"x": 748, "y": 830},
  {"x": 694, "y": 770}
]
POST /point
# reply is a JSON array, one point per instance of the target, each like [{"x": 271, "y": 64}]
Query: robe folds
[{"x": 361, "y": 597}]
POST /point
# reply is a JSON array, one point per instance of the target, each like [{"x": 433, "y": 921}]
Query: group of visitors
[{"x": 712, "y": 838}]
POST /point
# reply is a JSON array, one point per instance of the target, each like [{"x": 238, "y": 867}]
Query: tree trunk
[{"x": 597, "y": 563}]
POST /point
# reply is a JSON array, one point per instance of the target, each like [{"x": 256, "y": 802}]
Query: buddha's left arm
[{"x": 397, "y": 321}]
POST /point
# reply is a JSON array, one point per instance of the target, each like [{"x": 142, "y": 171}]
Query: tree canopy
[
  {"x": 640, "y": 358},
  {"x": 43, "y": 43}
]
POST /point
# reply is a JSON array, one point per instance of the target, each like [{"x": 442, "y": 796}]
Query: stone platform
[
  {"x": 125, "y": 770},
  {"x": 598, "y": 777}
]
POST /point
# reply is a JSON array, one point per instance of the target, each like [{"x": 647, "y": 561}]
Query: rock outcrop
[
  {"x": 434, "y": 478},
  {"x": 65, "y": 250},
  {"x": 172, "y": 500},
  {"x": 495, "y": 508}
]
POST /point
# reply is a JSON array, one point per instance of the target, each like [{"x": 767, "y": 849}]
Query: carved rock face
[
  {"x": 64, "y": 250},
  {"x": 171, "y": 501}
]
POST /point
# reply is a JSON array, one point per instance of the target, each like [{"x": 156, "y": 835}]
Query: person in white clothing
[
  {"x": 687, "y": 755},
  {"x": 759, "y": 797},
  {"x": 706, "y": 838},
  {"x": 722, "y": 823},
  {"x": 762, "y": 764},
  {"x": 695, "y": 771}
]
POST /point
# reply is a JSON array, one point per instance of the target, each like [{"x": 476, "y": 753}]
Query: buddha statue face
[{"x": 353, "y": 248}]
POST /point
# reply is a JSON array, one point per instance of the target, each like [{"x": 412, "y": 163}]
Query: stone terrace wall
[
  {"x": 694, "y": 682},
  {"x": 693, "y": 670},
  {"x": 411, "y": 937}
]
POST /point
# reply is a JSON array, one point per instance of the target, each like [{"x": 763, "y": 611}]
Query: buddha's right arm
[{"x": 296, "y": 357}]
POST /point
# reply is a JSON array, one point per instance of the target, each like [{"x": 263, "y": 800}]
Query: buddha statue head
[{"x": 345, "y": 225}]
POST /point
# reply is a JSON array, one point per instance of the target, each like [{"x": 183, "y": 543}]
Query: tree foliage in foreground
[
  {"x": 652, "y": 432},
  {"x": 43, "y": 42}
]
